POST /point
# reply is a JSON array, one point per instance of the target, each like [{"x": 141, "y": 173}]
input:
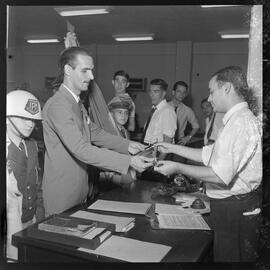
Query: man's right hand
[
  {"x": 140, "y": 163},
  {"x": 165, "y": 148}
]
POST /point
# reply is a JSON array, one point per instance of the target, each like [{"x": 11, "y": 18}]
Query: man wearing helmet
[{"x": 24, "y": 196}]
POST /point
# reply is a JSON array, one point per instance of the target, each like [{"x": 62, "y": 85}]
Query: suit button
[
  {"x": 30, "y": 208},
  {"x": 29, "y": 198},
  {"x": 28, "y": 187}
]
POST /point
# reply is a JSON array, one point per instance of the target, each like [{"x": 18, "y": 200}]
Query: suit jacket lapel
[{"x": 75, "y": 107}]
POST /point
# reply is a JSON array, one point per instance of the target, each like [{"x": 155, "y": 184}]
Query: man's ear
[
  {"x": 113, "y": 83},
  {"x": 67, "y": 69},
  {"x": 127, "y": 84},
  {"x": 164, "y": 94},
  {"x": 228, "y": 87},
  {"x": 173, "y": 93}
]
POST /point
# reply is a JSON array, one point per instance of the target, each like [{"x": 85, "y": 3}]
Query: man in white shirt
[
  {"x": 184, "y": 113},
  {"x": 232, "y": 171},
  {"x": 162, "y": 125},
  {"x": 213, "y": 122}
]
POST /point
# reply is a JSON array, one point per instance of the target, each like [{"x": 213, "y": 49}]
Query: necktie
[
  {"x": 147, "y": 123},
  {"x": 22, "y": 148},
  {"x": 123, "y": 133},
  {"x": 211, "y": 127},
  {"x": 81, "y": 108},
  {"x": 176, "y": 132}
]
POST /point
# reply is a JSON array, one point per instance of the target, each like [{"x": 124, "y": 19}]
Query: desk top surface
[{"x": 187, "y": 245}]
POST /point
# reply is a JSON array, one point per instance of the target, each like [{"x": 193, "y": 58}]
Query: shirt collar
[
  {"x": 161, "y": 104},
  {"x": 233, "y": 110},
  {"x": 77, "y": 98},
  {"x": 15, "y": 139}
]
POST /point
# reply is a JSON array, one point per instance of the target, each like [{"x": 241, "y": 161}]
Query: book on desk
[
  {"x": 72, "y": 231},
  {"x": 67, "y": 225}
]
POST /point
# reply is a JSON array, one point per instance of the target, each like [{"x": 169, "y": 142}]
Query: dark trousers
[{"x": 236, "y": 236}]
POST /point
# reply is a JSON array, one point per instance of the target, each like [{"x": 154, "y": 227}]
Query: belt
[
  {"x": 247, "y": 195},
  {"x": 239, "y": 196}
]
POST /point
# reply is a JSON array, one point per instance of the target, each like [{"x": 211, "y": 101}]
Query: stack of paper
[
  {"x": 175, "y": 217},
  {"x": 183, "y": 222},
  {"x": 169, "y": 209},
  {"x": 122, "y": 207},
  {"x": 122, "y": 224},
  {"x": 130, "y": 250}
]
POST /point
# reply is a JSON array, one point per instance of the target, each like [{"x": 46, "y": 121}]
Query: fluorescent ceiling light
[
  {"x": 142, "y": 37},
  {"x": 51, "y": 40},
  {"x": 234, "y": 35},
  {"x": 79, "y": 11},
  {"x": 217, "y": 6}
]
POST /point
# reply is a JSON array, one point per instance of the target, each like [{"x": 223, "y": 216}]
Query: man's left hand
[
  {"x": 135, "y": 147},
  {"x": 166, "y": 167}
]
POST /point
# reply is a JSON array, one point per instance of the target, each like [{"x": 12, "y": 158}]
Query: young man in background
[{"x": 120, "y": 83}]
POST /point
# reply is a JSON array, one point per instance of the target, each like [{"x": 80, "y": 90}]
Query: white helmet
[{"x": 23, "y": 104}]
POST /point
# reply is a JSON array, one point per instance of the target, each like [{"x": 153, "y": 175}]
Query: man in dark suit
[{"x": 71, "y": 139}]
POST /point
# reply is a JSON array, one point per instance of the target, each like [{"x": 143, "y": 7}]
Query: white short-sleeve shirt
[
  {"x": 216, "y": 126},
  {"x": 163, "y": 122},
  {"x": 236, "y": 155},
  {"x": 184, "y": 114}
]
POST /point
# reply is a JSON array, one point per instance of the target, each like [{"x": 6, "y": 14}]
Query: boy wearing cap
[
  {"x": 120, "y": 108},
  {"x": 24, "y": 196},
  {"x": 120, "y": 83}
]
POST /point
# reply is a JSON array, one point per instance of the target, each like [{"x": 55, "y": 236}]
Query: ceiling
[{"x": 169, "y": 23}]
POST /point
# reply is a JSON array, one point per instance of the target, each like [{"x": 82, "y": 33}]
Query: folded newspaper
[{"x": 69, "y": 226}]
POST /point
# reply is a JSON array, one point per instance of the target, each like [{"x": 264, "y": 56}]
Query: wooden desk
[{"x": 188, "y": 246}]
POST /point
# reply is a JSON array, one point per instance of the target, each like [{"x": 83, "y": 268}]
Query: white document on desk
[
  {"x": 122, "y": 207},
  {"x": 170, "y": 209},
  {"x": 184, "y": 222},
  {"x": 130, "y": 250},
  {"x": 122, "y": 224}
]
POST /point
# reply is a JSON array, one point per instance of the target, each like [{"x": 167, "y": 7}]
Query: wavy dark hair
[
  {"x": 68, "y": 56},
  {"x": 237, "y": 77},
  {"x": 121, "y": 73},
  {"x": 163, "y": 85}
]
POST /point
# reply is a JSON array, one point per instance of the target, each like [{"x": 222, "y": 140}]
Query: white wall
[
  {"x": 140, "y": 61},
  {"x": 183, "y": 60}
]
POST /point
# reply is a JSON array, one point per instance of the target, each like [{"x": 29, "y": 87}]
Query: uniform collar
[{"x": 16, "y": 140}]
